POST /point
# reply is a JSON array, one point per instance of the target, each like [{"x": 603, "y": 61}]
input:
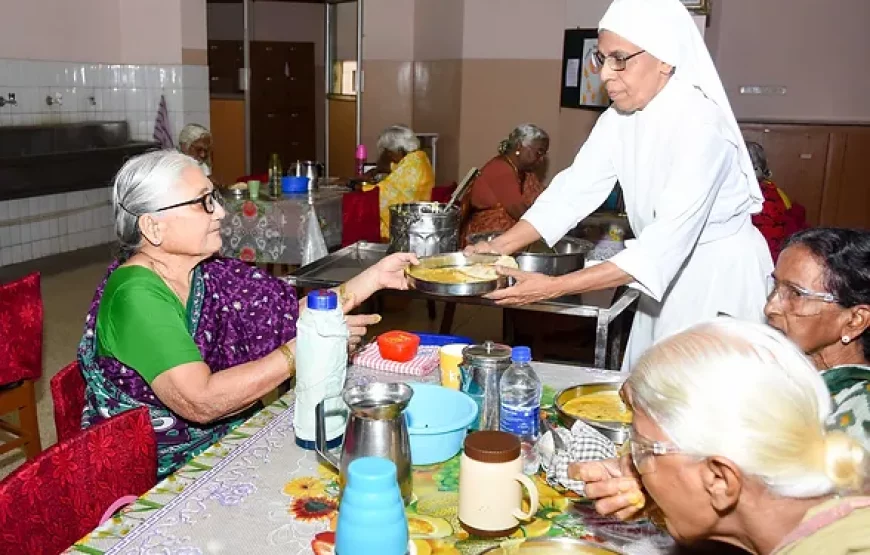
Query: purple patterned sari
[{"x": 235, "y": 314}]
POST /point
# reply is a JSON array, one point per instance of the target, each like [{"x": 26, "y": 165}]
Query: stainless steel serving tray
[{"x": 455, "y": 260}]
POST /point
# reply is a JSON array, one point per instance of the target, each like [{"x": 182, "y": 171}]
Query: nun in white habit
[{"x": 671, "y": 140}]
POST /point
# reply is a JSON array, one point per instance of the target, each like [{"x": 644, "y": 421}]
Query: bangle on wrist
[{"x": 290, "y": 357}]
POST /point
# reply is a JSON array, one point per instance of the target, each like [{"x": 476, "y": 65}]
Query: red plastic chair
[
  {"x": 360, "y": 217},
  {"x": 68, "y": 394},
  {"x": 55, "y": 499},
  {"x": 21, "y": 317},
  {"x": 261, "y": 177}
]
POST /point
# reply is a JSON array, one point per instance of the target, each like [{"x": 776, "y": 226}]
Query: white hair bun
[{"x": 846, "y": 461}]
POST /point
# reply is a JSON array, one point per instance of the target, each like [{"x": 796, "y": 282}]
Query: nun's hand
[
  {"x": 483, "y": 247},
  {"x": 529, "y": 288}
]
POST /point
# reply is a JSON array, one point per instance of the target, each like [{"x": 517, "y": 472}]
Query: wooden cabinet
[
  {"x": 226, "y": 58},
  {"x": 823, "y": 167},
  {"x": 282, "y": 96}
]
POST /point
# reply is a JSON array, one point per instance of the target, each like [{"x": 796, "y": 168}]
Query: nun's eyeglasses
[{"x": 616, "y": 62}]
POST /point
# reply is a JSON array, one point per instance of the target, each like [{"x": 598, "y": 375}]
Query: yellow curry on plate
[{"x": 602, "y": 406}]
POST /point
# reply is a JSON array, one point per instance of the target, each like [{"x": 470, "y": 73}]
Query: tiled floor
[{"x": 68, "y": 283}]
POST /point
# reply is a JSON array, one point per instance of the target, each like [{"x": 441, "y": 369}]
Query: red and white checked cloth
[{"x": 426, "y": 360}]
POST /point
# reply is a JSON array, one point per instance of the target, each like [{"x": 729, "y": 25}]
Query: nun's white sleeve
[
  {"x": 702, "y": 161},
  {"x": 580, "y": 189}
]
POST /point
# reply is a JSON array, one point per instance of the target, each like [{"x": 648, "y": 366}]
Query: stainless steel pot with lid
[
  {"x": 481, "y": 370},
  {"x": 424, "y": 228}
]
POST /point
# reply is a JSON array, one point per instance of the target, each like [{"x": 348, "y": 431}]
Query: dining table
[
  {"x": 256, "y": 491},
  {"x": 271, "y": 230}
]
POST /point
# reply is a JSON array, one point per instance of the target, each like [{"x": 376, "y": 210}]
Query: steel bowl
[
  {"x": 548, "y": 546},
  {"x": 236, "y": 194},
  {"x": 455, "y": 260},
  {"x": 566, "y": 256},
  {"x": 617, "y": 432}
]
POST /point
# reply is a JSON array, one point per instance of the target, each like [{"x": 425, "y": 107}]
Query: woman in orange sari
[{"x": 507, "y": 185}]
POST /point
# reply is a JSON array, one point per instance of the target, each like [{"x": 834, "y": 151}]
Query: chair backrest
[
  {"x": 58, "y": 497},
  {"x": 21, "y": 330},
  {"x": 68, "y": 394},
  {"x": 442, "y": 193},
  {"x": 360, "y": 217}
]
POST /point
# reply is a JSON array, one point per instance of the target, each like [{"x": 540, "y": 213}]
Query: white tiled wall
[
  {"x": 93, "y": 92},
  {"x": 41, "y": 226}
]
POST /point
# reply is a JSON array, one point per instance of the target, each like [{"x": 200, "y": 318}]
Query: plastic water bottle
[
  {"x": 321, "y": 367},
  {"x": 520, "y": 394}
]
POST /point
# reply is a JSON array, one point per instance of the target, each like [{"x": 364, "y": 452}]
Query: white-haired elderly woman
[
  {"x": 195, "y": 339},
  {"x": 409, "y": 174},
  {"x": 729, "y": 443},
  {"x": 196, "y": 141},
  {"x": 508, "y": 184}
]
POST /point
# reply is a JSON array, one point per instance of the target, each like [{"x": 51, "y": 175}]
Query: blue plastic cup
[{"x": 371, "y": 516}]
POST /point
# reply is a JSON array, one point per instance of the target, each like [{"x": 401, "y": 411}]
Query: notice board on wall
[{"x": 581, "y": 84}]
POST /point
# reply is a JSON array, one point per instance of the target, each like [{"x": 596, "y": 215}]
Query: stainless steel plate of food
[
  {"x": 597, "y": 404},
  {"x": 550, "y": 546},
  {"x": 457, "y": 275}
]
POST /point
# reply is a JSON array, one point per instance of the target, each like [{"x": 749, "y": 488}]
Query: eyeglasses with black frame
[
  {"x": 208, "y": 201},
  {"x": 616, "y": 62}
]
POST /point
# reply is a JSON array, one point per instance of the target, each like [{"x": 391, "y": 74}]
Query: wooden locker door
[
  {"x": 282, "y": 102},
  {"x": 847, "y": 196},
  {"x": 797, "y": 156},
  {"x": 224, "y": 61}
]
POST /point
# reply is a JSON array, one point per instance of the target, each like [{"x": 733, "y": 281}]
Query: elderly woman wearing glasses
[
  {"x": 195, "y": 339},
  {"x": 820, "y": 299},
  {"x": 671, "y": 141},
  {"x": 729, "y": 442}
]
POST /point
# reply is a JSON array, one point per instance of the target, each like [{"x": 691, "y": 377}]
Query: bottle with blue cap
[
  {"x": 321, "y": 368},
  {"x": 520, "y": 398}
]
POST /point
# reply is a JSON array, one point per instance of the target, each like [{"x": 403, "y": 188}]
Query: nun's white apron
[{"x": 697, "y": 254}]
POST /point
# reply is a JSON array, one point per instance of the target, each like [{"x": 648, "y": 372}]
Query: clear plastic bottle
[{"x": 520, "y": 394}]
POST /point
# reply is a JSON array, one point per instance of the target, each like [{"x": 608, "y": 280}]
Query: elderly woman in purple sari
[{"x": 196, "y": 339}]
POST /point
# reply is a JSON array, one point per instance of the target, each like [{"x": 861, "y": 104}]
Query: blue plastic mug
[{"x": 371, "y": 515}]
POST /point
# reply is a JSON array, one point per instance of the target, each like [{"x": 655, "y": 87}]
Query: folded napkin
[
  {"x": 582, "y": 443},
  {"x": 422, "y": 364}
]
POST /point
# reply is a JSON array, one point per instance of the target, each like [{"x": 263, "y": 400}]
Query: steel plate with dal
[
  {"x": 550, "y": 546},
  {"x": 617, "y": 432},
  {"x": 455, "y": 260}
]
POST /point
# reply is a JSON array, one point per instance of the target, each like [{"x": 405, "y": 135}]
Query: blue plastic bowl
[
  {"x": 294, "y": 184},
  {"x": 438, "y": 419}
]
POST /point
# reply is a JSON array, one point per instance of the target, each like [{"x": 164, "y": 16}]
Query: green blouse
[{"x": 143, "y": 324}]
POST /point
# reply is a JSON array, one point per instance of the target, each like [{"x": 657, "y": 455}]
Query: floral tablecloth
[
  {"x": 270, "y": 231},
  {"x": 255, "y": 491}
]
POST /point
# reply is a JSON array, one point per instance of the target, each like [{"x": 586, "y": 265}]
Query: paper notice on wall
[{"x": 572, "y": 72}]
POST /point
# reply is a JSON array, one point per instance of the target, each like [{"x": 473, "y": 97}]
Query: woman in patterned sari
[
  {"x": 196, "y": 339},
  {"x": 507, "y": 185},
  {"x": 409, "y": 174},
  {"x": 820, "y": 299}
]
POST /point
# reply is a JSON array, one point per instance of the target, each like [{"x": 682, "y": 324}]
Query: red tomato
[{"x": 399, "y": 346}]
